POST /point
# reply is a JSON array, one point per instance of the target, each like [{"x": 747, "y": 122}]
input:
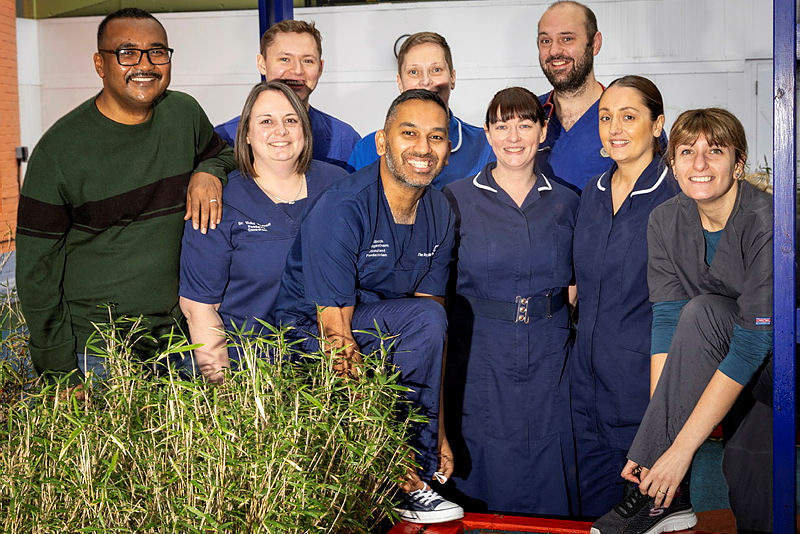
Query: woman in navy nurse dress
[
  {"x": 230, "y": 277},
  {"x": 506, "y": 402},
  {"x": 610, "y": 363}
]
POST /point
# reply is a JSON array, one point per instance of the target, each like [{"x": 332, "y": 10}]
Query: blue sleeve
[
  {"x": 364, "y": 152},
  {"x": 205, "y": 263},
  {"x": 330, "y": 247},
  {"x": 435, "y": 281},
  {"x": 227, "y": 130},
  {"x": 665, "y": 320},
  {"x": 746, "y": 354}
]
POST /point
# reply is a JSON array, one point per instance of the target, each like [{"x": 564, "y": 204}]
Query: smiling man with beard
[
  {"x": 368, "y": 250},
  {"x": 101, "y": 212},
  {"x": 568, "y": 40}
]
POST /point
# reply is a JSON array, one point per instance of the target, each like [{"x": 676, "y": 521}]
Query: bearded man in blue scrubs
[
  {"x": 567, "y": 41},
  {"x": 375, "y": 251}
]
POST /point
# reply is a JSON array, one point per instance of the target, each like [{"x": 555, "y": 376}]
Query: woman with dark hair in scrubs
[
  {"x": 230, "y": 276},
  {"x": 710, "y": 277},
  {"x": 507, "y": 405},
  {"x": 610, "y": 363}
]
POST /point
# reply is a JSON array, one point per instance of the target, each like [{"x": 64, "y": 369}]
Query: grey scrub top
[{"x": 741, "y": 268}]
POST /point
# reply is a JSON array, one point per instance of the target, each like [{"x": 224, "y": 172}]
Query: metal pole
[
  {"x": 784, "y": 459},
  {"x": 272, "y": 11}
]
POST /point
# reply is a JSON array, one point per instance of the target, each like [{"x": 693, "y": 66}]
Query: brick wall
[{"x": 9, "y": 121}]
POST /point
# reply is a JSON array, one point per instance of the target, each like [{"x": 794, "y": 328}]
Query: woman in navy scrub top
[
  {"x": 231, "y": 276},
  {"x": 610, "y": 363},
  {"x": 505, "y": 398}
]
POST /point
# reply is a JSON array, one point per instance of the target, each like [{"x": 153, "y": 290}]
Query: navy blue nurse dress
[
  {"x": 610, "y": 363},
  {"x": 506, "y": 402}
]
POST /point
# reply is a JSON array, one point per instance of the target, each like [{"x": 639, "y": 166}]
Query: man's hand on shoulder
[{"x": 204, "y": 201}]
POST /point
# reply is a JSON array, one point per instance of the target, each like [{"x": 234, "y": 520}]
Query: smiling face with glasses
[
  {"x": 128, "y": 57},
  {"x": 134, "y": 63}
]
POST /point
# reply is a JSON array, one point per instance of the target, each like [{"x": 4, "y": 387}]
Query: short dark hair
[
  {"x": 720, "y": 126},
  {"x": 413, "y": 94},
  {"x": 515, "y": 102},
  {"x": 241, "y": 148},
  {"x": 588, "y": 14},
  {"x": 290, "y": 26},
  {"x": 124, "y": 13},
  {"x": 422, "y": 38}
]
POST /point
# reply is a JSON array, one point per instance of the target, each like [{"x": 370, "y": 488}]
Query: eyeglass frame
[{"x": 142, "y": 52}]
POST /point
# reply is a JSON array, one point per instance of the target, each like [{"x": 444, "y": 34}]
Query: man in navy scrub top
[
  {"x": 425, "y": 62},
  {"x": 369, "y": 248},
  {"x": 568, "y": 41},
  {"x": 291, "y": 52}
]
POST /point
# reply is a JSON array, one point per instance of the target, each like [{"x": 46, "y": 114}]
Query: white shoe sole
[
  {"x": 427, "y": 518},
  {"x": 679, "y": 521}
]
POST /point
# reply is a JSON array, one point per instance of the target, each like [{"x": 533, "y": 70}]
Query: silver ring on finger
[{"x": 213, "y": 200}]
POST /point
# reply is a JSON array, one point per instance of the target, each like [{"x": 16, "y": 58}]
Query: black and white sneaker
[
  {"x": 635, "y": 514},
  {"x": 426, "y": 506}
]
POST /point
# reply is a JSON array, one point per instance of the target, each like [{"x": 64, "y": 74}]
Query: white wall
[{"x": 696, "y": 51}]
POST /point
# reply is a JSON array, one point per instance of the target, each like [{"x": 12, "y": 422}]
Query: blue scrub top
[
  {"x": 240, "y": 263},
  {"x": 350, "y": 250},
  {"x": 572, "y": 156},
  {"x": 613, "y": 340},
  {"x": 334, "y": 139},
  {"x": 468, "y": 155}
]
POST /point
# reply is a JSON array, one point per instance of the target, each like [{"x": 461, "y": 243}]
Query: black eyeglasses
[{"x": 128, "y": 57}]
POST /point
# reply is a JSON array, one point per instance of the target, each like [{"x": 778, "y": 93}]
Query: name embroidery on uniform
[
  {"x": 254, "y": 226},
  {"x": 763, "y": 321},
  {"x": 378, "y": 249},
  {"x": 428, "y": 254}
]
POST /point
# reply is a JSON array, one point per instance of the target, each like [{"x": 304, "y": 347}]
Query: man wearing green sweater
[{"x": 101, "y": 211}]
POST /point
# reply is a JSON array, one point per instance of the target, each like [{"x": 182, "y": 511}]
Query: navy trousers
[{"x": 420, "y": 325}]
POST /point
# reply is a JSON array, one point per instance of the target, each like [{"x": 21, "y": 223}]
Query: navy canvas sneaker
[
  {"x": 426, "y": 506},
  {"x": 635, "y": 514}
]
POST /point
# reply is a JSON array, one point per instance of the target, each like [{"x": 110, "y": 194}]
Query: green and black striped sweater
[{"x": 100, "y": 222}]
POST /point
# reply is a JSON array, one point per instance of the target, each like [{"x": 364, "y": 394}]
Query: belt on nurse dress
[{"x": 521, "y": 310}]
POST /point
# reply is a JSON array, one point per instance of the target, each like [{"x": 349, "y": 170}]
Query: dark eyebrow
[
  {"x": 621, "y": 109},
  {"x": 406, "y": 124},
  {"x": 559, "y": 33},
  {"x": 157, "y": 44}
]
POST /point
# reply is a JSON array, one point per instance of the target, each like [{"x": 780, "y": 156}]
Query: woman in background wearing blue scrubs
[
  {"x": 610, "y": 363},
  {"x": 231, "y": 276},
  {"x": 507, "y": 404}
]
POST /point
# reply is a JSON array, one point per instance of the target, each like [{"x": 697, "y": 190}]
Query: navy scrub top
[
  {"x": 572, "y": 155},
  {"x": 350, "y": 250},
  {"x": 613, "y": 340},
  {"x": 469, "y": 152},
  {"x": 240, "y": 263}
]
